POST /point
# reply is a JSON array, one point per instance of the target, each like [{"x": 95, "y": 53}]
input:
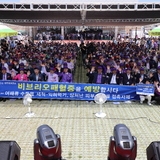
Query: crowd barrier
[{"x": 70, "y": 91}]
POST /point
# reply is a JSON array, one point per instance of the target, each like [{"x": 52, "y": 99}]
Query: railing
[{"x": 79, "y": 7}]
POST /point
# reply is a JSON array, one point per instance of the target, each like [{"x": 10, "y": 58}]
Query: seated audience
[
  {"x": 114, "y": 77},
  {"x": 128, "y": 78},
  {"x": 21, "y": 76},
  {"x": 147, "y": 97},
  {"x": 65, "y": 76},
  {"x": 90, "y": 74},
  {"x": 99, "y": 77},
  {"x": 36, "y": 76},
  {"x": 52, "y": 76},
  {"x": 4, "y": 75}
]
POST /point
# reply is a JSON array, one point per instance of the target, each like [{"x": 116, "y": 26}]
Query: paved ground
[{"x": 83, "y": 135}]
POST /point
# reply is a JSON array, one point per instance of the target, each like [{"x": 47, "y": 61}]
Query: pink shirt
[{"x": 21, "y": 77}]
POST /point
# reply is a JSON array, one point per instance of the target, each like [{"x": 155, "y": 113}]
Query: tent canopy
[
  {"x": 155, "y": 31},
  {"x": 6, "y": 31}
]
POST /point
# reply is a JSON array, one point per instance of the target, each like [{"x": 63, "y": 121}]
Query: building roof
[{"x": 80, "y": 14}]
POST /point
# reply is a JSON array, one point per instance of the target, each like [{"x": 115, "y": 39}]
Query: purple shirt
[
  {"x": 99, "y": 77},
  {"x": 66, "y": 77}
]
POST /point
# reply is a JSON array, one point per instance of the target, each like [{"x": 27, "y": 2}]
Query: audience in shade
[
  {"x": 147, "y": 97},
  {"x": 21, "y": 76},
  {"x": 40, "y": 61},
  {"x": 113, "y": 62},
  {"x": 4, "y": 75},
  {"x": 65, "y": 76},
  {"x": 123, "y": 63}
]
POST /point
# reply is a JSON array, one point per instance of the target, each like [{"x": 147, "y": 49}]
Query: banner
[
  {"x": 68, "y": 91},
  {"x": 145, "y": 89}
]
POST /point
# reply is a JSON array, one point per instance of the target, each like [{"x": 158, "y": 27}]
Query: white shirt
[
  {"x": 22, "y": 61},
  {"x": 4, "y": 76},
  {"x": 52, "y": 77},
  {"x": 142, "y": 76},
  {"x": 159, "y": 77},
  {"x": 70, "y": 65},
  {"x": 6, "y": 66},
  {"x": 37, "y": 76},
  {"x": 148, "y": 66},
  {"x": 43, "y": 69},
  {"x": 113, "y": 79}
]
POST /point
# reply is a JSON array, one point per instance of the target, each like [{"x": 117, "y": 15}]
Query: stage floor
[{"x": 83, "y": 136}]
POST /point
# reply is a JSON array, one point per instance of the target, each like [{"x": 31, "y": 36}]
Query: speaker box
[
  {"x": 153, "y": 151},
  {"x": 9, "y": 150}
]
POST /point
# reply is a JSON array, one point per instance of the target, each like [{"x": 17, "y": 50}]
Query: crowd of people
[
  {"x": 41, "y": 61},
  {"x": 82, "y": 35},
  {"x": 124, "y": 63},
  {"x": 113, "y": 62}
]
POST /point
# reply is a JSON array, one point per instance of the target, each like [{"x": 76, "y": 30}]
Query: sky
[{"x": 13, "y": 1}]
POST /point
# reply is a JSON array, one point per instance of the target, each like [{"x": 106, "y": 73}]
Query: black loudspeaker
[
  {"x": 153, "y": 151},
  {"x": 9, "y": 150}
]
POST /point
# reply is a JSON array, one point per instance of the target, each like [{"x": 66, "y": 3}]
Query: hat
[
  {"x": 143, "y": 61},
  {"x": 129, "y": 69},
  {"x": 65, "y": 64},
  {"x": 113, "y": 69},
  {"x": 141, "y": 69},
  {"x": 16, "y": 60},
  {"x": 138, "y": 64},
  {"x": 99, "y": 67},
  {"x": 21, "y": 69},
  {"x": 21, "y": 64},
  {"x": 93, "y": 64},
  {"x": 10, "y": 65},
  {"x": 3, "y": 68},
  {"x": 52, "y": 69},
  {"x": 69, "y": 57},
  {"x": 121, "y": 64},
  {"x": 127, "y": 57},
  {"x": 65, "y": 67}
]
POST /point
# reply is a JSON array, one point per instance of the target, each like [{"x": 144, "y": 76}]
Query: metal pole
[{"x": 136, "y": 35}]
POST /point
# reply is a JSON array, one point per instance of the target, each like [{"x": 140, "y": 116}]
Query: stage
[{"x": 83, "y": 135}]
